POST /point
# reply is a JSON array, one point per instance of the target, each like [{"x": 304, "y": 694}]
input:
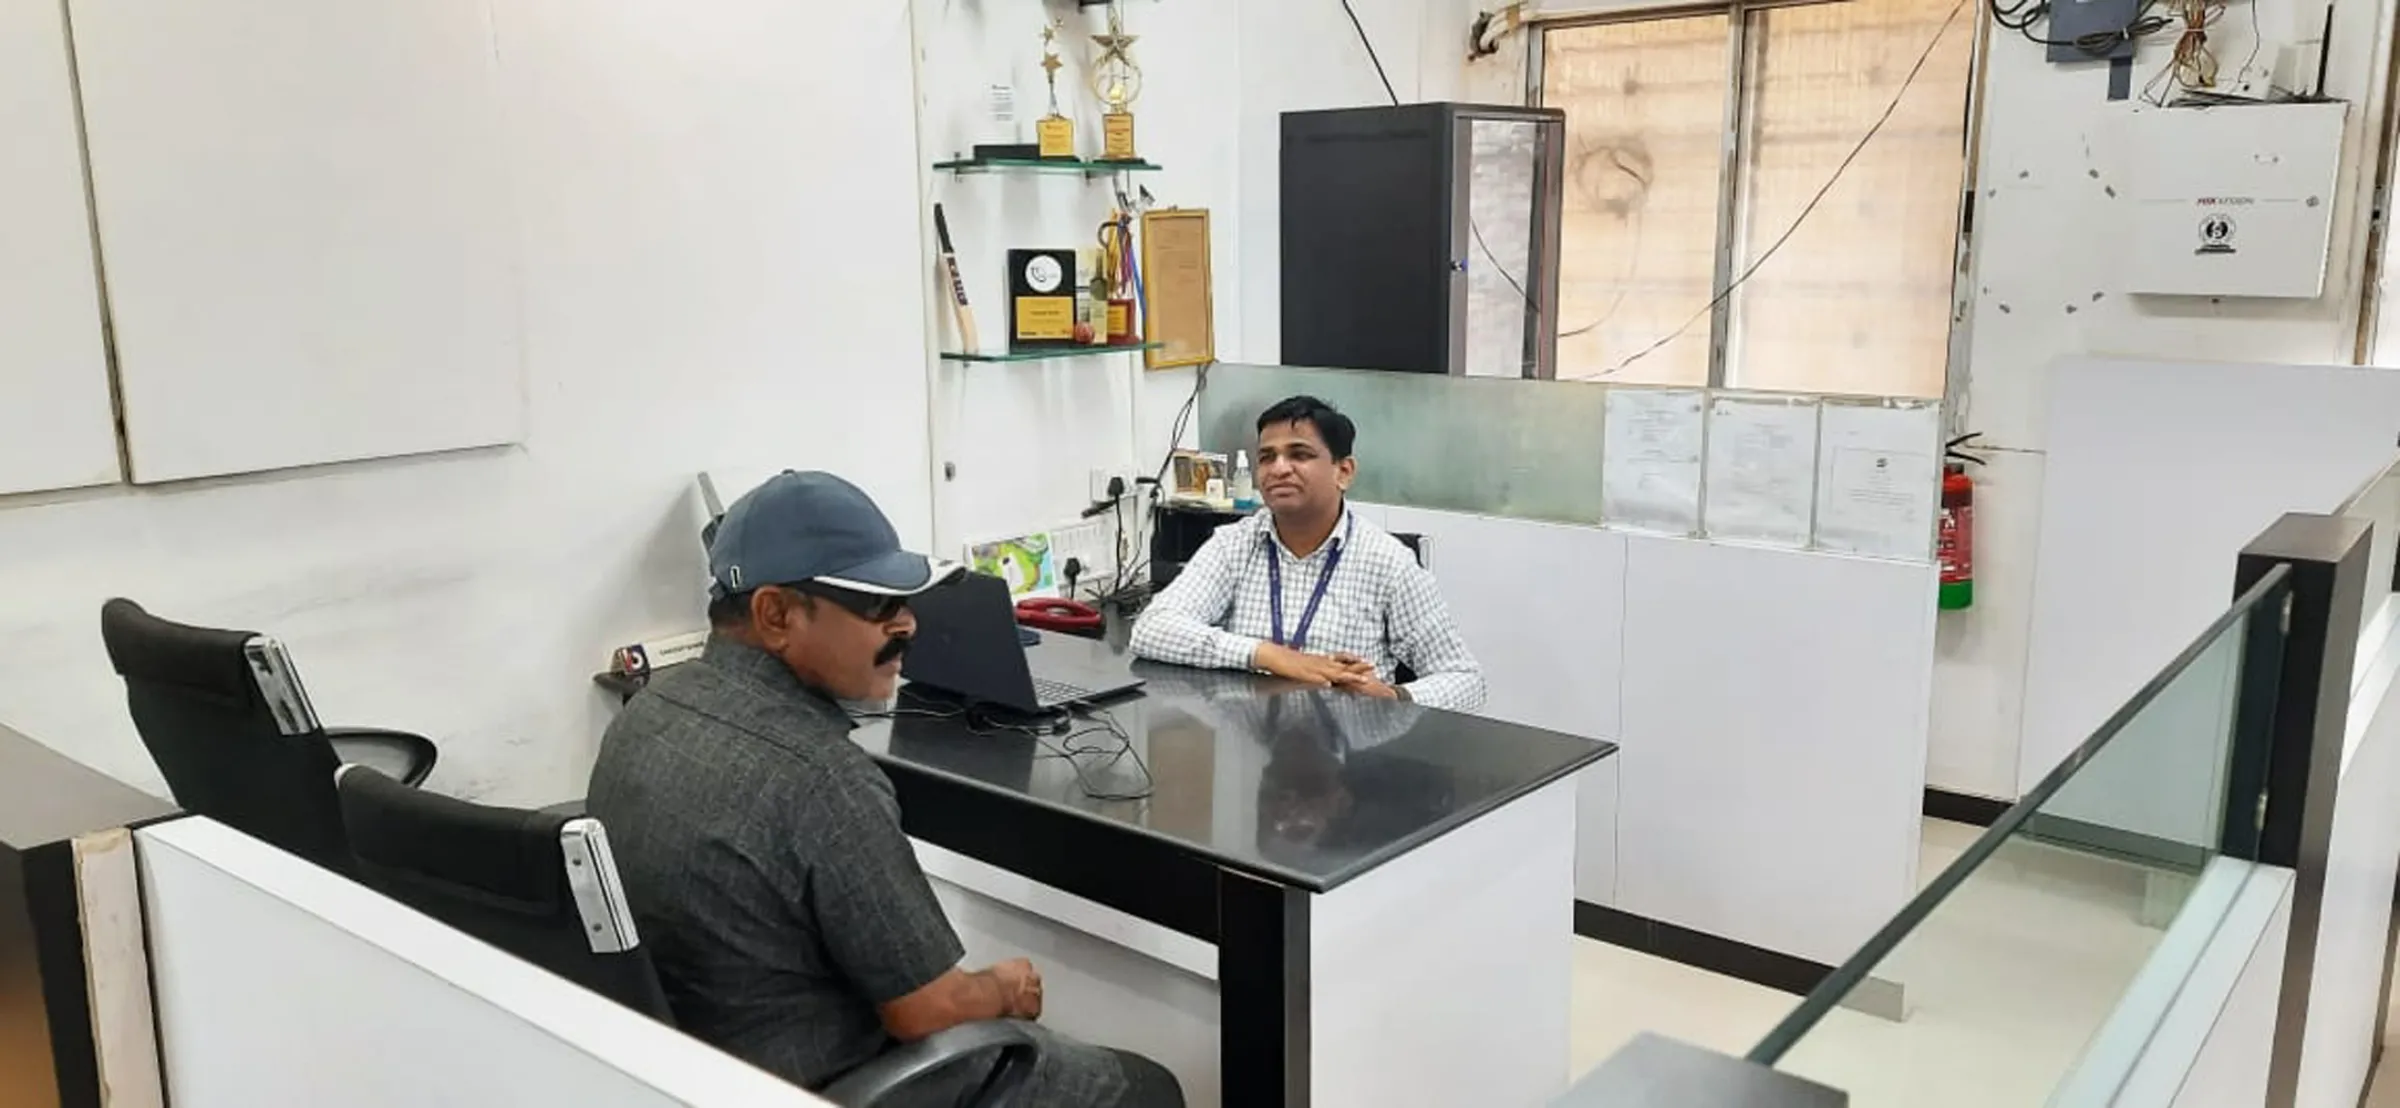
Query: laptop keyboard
[{"x": 1047, "y": 691}]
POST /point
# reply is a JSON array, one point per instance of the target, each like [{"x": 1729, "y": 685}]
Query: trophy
[
  {"x": 1055, "y": 132},
  {"x": 1117, "y": 81}
]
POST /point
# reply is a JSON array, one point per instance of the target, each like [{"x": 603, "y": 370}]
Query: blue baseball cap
[{"x": 815, "y": 527}]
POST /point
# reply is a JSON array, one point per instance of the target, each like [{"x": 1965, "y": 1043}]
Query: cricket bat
[{"x": 961, "y": 312}]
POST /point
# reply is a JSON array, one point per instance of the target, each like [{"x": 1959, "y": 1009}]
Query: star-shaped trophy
[
  {"x": 1055, "y": 132},
  {"x": 1117, "y": 81}
]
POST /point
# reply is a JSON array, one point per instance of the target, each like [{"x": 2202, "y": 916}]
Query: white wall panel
[
  {"x": 1543, "y": 607},
  {"x": 1774, "y": 752},
  {"x": 56, "y": 427},
  {"x": 2158, "y": 473},
  {"x": 279, "y": 983},
  {"x": 311, "y": 249},
  {"x": 2354, "y": 926},
  {"x": 680, "y": 317}
]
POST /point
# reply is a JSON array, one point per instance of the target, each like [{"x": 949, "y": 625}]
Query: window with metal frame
[{"x": 1762, "y": 195}]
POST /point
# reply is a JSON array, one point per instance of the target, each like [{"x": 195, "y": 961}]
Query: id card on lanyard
[{"x": 1316, "y": 596}]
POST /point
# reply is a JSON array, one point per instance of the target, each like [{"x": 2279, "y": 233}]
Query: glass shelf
[
  {"x": 965, "y": 166},
  {"x": 1049, "y": 353}
]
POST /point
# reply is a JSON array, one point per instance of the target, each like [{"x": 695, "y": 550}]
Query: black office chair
[
  {"x": 1421, "y": 548},
  {"x": 232, "y": 731},
  {"x": 543, "y": 886},
  {"x": 539, "y": 885}
]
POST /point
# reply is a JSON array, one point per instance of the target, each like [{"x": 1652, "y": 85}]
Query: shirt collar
[
  {"x": 747, "y": 663},
  {"x": 1343, "y": 528}
]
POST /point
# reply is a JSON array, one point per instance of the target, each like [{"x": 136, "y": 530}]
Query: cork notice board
[{"x": 1176, "y": 283}]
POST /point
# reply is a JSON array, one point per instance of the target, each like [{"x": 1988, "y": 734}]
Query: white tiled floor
[{"x": 2002, "y": 992}]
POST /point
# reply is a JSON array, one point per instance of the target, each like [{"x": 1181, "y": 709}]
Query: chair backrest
[
  {"x": 1416, "y": 545},
  {"x": 540, "y": 885},
  {"x": 225, "y": 718}
]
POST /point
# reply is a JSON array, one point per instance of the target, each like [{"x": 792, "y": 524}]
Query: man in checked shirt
[{"x": 1307, "y": 590}]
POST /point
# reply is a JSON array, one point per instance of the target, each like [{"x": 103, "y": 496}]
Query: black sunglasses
[{"x": 872, "y": 607}]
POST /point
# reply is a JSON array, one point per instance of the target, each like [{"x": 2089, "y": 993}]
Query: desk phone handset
[{"x": 1052, "y": 613}]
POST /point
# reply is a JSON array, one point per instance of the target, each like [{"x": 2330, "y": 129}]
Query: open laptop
[{"x": 967, "y": 646}]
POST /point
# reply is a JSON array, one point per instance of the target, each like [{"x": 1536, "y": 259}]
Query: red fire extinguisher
[{"x": 1954, "y": 551}]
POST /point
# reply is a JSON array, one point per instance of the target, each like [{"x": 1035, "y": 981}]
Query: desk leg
[{"x": 1262, "y": 981}]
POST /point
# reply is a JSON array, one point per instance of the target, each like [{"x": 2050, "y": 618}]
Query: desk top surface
[
  {"x": 46, "y": 797},
  {"x": 1307, "y": 788}
]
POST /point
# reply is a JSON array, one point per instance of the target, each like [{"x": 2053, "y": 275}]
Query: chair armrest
[
  {"x": 401, "y": 756},
  {"x": 877, "y": 1082}
]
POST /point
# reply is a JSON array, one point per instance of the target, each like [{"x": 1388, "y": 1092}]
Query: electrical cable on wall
[
  {"x": 1128, "y": 578},
  {"x": 2193, "y": 66},
  {"x": 2021, "y": 16},
  {"x": 1806, "y": 210},
  {"x": 1394, "y": 95},
  {"x": 1372, "y": 56}
]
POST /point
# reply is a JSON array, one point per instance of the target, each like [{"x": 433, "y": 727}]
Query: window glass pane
[
  {"x": 1645, "y": 104},
  {"x": 1504, "y": 157},
  {"x": 1858, "y": 301}
]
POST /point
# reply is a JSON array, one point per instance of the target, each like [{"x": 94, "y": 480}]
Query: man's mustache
[{"x": 892, "y": 650}]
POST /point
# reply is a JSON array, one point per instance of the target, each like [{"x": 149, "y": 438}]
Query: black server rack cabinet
[{"x": 1423, "y": 239}]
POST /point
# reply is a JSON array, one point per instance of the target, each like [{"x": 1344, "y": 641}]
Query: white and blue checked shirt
[{"x": 1381, "y": 606}]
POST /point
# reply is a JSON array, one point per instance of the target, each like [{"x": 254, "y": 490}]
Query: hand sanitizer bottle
[{"x": 1245, "y": 485}]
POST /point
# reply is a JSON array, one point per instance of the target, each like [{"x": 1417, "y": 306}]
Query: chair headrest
[
  {"x": 507, "y": 853},
  {"x": 144, "y": 647}
]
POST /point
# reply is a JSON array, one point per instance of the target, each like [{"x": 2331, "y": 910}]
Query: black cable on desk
[{"x": 1065, "y": 748}]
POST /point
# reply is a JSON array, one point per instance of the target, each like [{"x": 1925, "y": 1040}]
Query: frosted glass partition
[
  {"x": 1854, "y": 476},
  {"x": 1529, "y": 449},
  {"x": 2040, "y": 963}
]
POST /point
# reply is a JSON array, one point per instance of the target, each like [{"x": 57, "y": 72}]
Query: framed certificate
[{"x": 1177, "y": 311}]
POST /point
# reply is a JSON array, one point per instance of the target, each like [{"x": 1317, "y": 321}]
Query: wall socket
[{"x": 1100, "y": 479}]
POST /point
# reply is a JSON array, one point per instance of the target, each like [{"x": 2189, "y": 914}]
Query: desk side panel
[
  {"x": 1102, "y": 990},
  {"x": 1483, "y": 917}
]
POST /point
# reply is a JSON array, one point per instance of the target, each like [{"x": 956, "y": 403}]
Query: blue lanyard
[{"x": 1308, "y": 616}]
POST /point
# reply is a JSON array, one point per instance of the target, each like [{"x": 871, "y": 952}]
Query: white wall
[
  {"x": 1024, "y": 437},
  {"x": 2132, "y": 569},
  {"x": 56, "y": 427},
  {"x": 671, "y": 172},
  {"x": 2040, "y": 286},
  {"x": 1218, "y": 76},
  {"x": 676, "y": 211}
]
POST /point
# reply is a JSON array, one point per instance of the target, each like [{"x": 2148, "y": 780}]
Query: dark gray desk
[{"x": 1264, "y": 796}]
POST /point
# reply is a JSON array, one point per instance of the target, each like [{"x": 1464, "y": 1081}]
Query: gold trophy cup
[{"x": 1117, "y": 81}]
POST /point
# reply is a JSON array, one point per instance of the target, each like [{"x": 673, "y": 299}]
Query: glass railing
[
  {"x": 2119, "y": 865},
  {"x": 2377, "y": 502}
]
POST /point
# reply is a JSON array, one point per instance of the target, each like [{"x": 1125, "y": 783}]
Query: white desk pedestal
[{"x": 1439, "y": 978}]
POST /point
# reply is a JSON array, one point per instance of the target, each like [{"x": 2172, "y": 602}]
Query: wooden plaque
[{"x": 1177, "y": 310}]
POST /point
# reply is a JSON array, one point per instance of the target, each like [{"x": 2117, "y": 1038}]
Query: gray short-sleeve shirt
[{"x": 763, "y": 856}]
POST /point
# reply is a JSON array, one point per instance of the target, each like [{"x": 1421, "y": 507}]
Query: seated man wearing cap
[{"x": 761, "y": 848}]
